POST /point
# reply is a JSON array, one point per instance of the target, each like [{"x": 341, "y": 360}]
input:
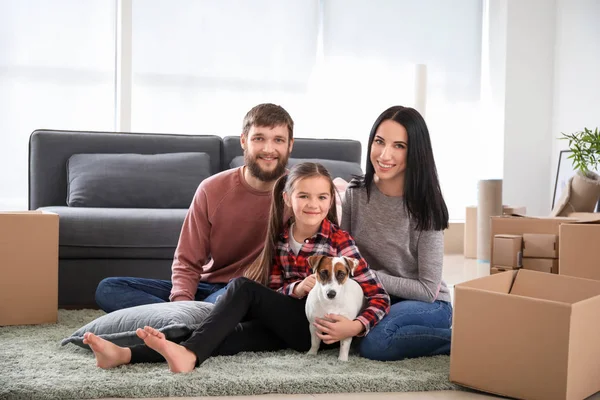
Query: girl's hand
[
  {"x": 334, "y": 328},
  {"x": 302, "y": 289}
]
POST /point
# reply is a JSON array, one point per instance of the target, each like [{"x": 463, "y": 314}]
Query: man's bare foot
[
  {"x": 108, "y": 355},
  {"x": 178, "y": 357}
]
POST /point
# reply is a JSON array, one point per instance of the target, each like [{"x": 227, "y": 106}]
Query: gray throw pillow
[
  {"x": 176, "y": 320},
  {"x": 135, "y": 180},
  {"x": 337, "y": 169}
]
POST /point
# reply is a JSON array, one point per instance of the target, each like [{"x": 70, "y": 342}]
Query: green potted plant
[
  {"x": 583, "y": 189},
  {"x": 585, "y": 148}
]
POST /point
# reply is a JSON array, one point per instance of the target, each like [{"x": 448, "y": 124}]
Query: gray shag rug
[{"x": 34, "y": 365}]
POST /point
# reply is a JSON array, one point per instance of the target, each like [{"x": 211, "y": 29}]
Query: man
[{"x": 226, "y": 224}]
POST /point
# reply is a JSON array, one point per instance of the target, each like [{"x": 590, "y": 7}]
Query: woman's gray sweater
[{"x": 408, "y": 262}]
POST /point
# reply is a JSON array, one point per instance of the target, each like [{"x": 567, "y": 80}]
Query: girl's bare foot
[
  {"x": 108, "y": 355},
  {"x": 178, "y": 357}
]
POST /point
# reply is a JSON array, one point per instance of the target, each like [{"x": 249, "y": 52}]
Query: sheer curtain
[
  {"x": 56, "y": 71},
  {"x": 370, "y": 50},
  {"x": 199, "y": 66}
]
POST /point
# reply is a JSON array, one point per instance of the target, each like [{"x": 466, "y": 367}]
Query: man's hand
[
  {"x": 180, "y": 298},
  {"x": 302, "y": 289},
  {"x": 334, "y": 328}
]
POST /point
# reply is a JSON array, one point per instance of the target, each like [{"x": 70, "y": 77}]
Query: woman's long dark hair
[
  {"x": 260, "y": 268},
  {"x": 422, "y": 193}
]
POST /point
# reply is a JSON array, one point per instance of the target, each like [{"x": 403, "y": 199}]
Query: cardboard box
[
  {"x": 497, "y": 270},
  {"x": 552, "y": 322},
  {"x": 540, "y": 245},
  {"x": 579, "y": 250},
  {"x": 28, "y": 268},
  {"x": 514, "y": 210},
  {"x": 454, "y": 238},
  {"x": 507, "y": 251},
  {"x": 549, "y": 265},
  {"x": 520, "y": 225},
  {"x": 470, "y": 239}
]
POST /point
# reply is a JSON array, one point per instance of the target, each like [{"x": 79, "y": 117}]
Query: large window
[
  {"x": 370, "y": 52},
  {"x": 197, "y": 66},
  {"x": 57, "y": 71}
]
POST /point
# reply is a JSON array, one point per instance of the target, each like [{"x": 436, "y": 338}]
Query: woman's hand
[
  {"x": 302, "y": 289},
  {"x": 334, "y": 328}
]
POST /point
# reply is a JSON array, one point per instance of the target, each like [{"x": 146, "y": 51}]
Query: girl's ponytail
[{"x": 259, "y": 270}]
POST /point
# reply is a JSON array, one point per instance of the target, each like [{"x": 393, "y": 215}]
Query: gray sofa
[{"x": 122, "y": 197}]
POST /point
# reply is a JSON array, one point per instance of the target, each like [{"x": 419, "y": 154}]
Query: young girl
[
  {"x": 253, "y": 317},
  {"x": 397, "y": 214}
]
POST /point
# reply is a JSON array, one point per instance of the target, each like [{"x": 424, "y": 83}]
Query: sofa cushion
[
  {"x": 176, "y": 320},
  {"x": 135, "y": 180},
  {"x": 118, "y": 232},
  {"x": 338, "y": 169}
]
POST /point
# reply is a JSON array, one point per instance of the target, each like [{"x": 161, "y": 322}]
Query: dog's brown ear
[
  {"x": 314, "y": 262},
  {"x": 351, "y": 264}
]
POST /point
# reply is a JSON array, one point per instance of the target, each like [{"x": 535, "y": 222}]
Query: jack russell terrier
[{"x": 334, "y": 293}]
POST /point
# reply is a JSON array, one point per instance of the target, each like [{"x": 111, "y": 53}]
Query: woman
[{"x": 396, "y": 213}]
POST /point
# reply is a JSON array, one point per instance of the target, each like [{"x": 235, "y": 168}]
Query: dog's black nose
[{"x": 331, "y": 294}]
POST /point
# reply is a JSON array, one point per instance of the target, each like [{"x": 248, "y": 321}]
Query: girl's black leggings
[{"x": 249, "y": 317}]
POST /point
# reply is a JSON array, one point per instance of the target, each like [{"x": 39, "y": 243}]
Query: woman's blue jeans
[{"x": 411, "y": 329}]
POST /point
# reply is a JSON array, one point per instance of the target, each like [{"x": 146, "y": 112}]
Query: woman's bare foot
[
  {"x": 108, "y": 355},
  {"x": 178, "y": 357}
]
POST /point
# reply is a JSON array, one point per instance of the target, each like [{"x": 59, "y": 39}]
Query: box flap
[
  {"x": 500, "y": 283},
  {"x": 517, "y": 216},
  {"x": 584, "y": 350},
  {"x": 31, "y": 212},
  {"x": 585, "y": 218},
  {"x": 508, "y": 236},
  {"x": 559, "y": 288},
  {"x": 21, "y": 212}
]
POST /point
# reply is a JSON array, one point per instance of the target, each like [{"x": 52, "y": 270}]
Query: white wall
[
  {"x": 577, "y": 73},
  {"x": 529, "y": 90},
  {"x": 56, "y": 72},
  {"x": 544, "y": 63}
]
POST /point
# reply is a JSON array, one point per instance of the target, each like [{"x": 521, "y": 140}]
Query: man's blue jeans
[
  {"x": 117, "y": 293},
  {"x": 411, "y": 329}
]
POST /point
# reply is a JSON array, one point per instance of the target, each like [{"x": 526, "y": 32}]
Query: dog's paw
[
  {"x": 312, "y": 352},
  {"x": 343, "y": 358}
]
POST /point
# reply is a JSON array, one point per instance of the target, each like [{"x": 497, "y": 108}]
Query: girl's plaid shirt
[{"x": 289, "y": 269}]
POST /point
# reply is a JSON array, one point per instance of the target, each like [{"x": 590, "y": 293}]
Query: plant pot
[{"x": 580, "y": 195}]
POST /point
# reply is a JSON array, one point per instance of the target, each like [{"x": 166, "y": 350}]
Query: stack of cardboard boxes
[
  {"x": 507, "y": 254},
  {"x": 533, "y": 251},
  {"x": 470, "y": 229},
  {"x": 556, "y": 353},
  {"x": 540, "y": 252}
]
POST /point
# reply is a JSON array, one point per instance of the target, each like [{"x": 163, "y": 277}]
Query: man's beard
[{"x": 261, "y": 174}]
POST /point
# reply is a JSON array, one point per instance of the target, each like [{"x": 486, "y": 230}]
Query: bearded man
[{"x": 226, "y": 224}]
